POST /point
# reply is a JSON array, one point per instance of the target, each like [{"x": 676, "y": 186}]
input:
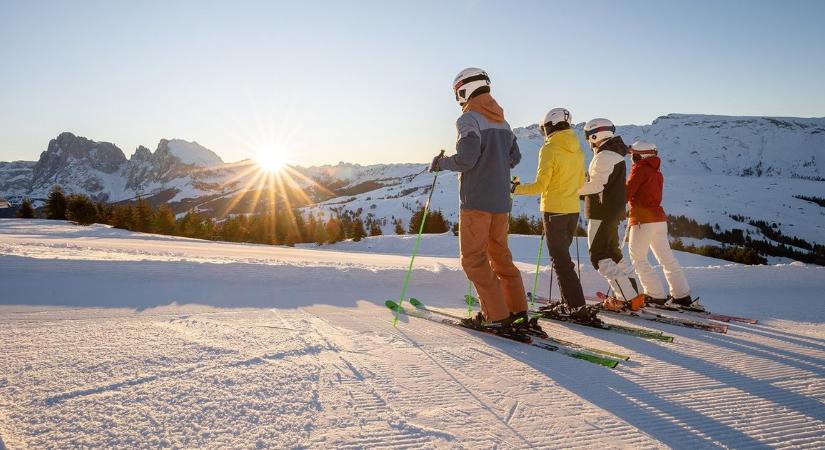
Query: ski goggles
[
  {"x": 459, "y": 93},
  {"x": 470, "y": 80},
  {"x": 590, "y": 134},
  {"x": 642, "y": 153}
]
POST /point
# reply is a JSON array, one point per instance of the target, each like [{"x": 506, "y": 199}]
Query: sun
[{"x": 272, "y": 159}]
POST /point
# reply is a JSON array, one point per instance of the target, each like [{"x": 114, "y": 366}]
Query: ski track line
[
  {"x": 179, "y": 372},
  {"x": 456, "y": 364},
  {"x": 681, "y": 380},
  {"x": 439, "y": 397},
  {"x": 381, "y": 424},
  {"x": 114, "y": 388},
  {"x": 749, "y": 383}
]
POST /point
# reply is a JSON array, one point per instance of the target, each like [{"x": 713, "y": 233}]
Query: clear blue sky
[{"x": 370, "y": 81}]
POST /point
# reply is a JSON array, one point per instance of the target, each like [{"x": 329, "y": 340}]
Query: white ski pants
[{"x": 653, "y": 236}]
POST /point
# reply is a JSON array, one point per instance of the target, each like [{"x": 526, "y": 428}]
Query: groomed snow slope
[{"x": 117, "y": 339}]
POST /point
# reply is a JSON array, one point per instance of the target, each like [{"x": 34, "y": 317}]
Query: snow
[
  {"x": 194, "y": 153},
  {"x": 118, "y": 339},
  {"x": 703, "y": 160}
]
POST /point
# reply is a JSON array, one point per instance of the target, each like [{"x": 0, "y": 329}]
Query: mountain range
[{"x": 715, "y": 167}]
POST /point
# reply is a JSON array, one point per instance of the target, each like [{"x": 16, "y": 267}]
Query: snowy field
[{"x": 116, "y": 339}]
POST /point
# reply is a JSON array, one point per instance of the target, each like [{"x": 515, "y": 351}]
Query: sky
[{"x": 370, "y": 82}]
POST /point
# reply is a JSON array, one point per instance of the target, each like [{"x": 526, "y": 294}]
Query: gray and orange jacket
[{"x": 486, "y": 150}]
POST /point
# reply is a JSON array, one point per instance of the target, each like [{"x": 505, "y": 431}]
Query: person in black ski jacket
[{"x": 604, "y": 207}]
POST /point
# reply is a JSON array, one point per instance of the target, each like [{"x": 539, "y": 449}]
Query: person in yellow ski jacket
[{"x": 559, "y": 177}]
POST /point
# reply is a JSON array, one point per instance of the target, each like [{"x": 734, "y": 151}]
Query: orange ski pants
[{"x": 488, "y": 263}]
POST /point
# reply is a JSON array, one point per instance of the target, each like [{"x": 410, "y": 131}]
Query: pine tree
[
  {"x": 192, "y": 225},
  {"x": 358, "y": 232},
  {"x": 375, "y": 228},
  {"x": 104, "y": 212},
  {"x": 335, "y": 231},
  {"x": 26, "y": 211},
  {"x": 165, "y": 220},
  {"x": 435, "y": 222},
  {"x": 56, "y": 204},
  {"x": 399, "y": 227},
  {"x": 309, "y": 230},
  {"x": 144, "y": 217},
  {"x": 122, "y": 216},
  {"x": 81, "y": 210},
  {"x": 299, "y": 229},
  {"x": 320, "y": 233}
]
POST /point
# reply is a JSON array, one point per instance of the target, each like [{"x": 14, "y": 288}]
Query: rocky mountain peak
[
  {"x": 141, "y": 154},
  {"x": 103, "y": 156}
]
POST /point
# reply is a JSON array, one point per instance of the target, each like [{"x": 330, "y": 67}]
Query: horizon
[
  {"x": 333, "y": 83},
  {"x": 334, "y": 163}
]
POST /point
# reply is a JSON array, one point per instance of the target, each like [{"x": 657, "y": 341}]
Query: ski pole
[
  {"x": 536, "y": 276},
  {"x": 469, "y": 299},
  {"x": 415, "y": 248},
  {"x": 552, "y": 269},
  {"x": 578, "y": 258}
]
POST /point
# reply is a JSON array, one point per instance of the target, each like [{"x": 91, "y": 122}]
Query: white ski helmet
[
  {"x": 643, "y": 149},
  {"x": 597, "y": 130},
  {"x": 553, "y": 118},
  {"x": 468, "y": 81}
]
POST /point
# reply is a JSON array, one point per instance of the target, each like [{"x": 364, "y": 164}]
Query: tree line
[
  {"x": 747, "y": 249},
  {"x": 290, "y": 227},
  {"x": 283, "y": 227}
]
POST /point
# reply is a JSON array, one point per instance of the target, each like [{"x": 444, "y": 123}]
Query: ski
[
  {"x": 545, "y": 336},
  {"x": 705, "y": 314},
  {"x": 623, "y": 329},
  {"x": 654, "y": 317},
  {"x": 423, "y": 313}
]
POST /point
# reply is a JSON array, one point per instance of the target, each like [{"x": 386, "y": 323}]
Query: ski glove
[
  {"x": 435, "y": 166},
  {"x": 514, "y": 184}
]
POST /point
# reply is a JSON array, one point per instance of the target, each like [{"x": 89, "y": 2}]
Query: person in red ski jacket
[{"x": 648, "y": 230}]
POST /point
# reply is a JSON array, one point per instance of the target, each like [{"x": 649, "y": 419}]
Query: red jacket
[{"x": 644, "y": 191}]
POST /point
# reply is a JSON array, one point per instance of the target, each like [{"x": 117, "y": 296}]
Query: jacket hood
[
  {"x": 614, "y": 144},
  {"x": 486, "y": 105},
  {"x": 567, "y": 138},
  {"x": 651, "y": 161}
]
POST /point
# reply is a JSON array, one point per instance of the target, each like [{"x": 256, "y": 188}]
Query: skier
[
  {"x": 648, "y": 230},
  {"x": 486, "y": 150},
  {"x": 559, "y": 177},
  {"x": 604, "y": 207}
]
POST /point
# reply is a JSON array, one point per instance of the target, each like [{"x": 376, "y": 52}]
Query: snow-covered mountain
[
  {"x": 714, "y": 166},
  {"x": 102, "y": 171}
]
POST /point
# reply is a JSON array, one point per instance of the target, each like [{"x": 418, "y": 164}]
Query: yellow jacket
[{"x": 560, "y": 174}]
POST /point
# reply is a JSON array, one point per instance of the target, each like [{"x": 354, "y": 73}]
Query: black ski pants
[{"x": 559, "y": 231}]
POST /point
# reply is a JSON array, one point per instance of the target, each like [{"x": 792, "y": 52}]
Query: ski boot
[
  {"x": 503, "y": 327},
  {"x": 522, "y": 322},
  {"x": 476, "y": 322},
  {"x": 585, "y": 315},
  {"x": 654, "y": 301},
  {"x": 636, "y": 303},
  {"x": 686, "y": 302},
  {"x": 555, "y": 311},
  {"x": 614, "y": 304}
]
